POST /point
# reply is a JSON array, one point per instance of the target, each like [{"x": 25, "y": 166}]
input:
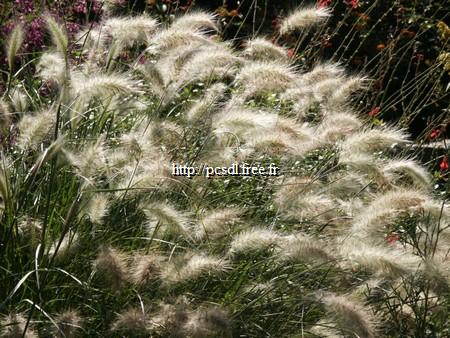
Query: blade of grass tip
[
  {"x": 17, "y": 287},
  {"x": 70, "y": 275},
  {"x": 36, "y": 267},
  {"x": 41, "y": 310}
]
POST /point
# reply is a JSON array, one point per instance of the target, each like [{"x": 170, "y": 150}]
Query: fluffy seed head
[
  {"x": 111, "y": 266},
  {"x": 217, "y": 223},
  {"x": 255, "y": 239},
  {"x": 264, "y": 50},
  {"x": 303, "y": 18},
  {"x": 13, "y": 45},
  {"x": 34, "y": 128},
  {"x": 196, "y": 20},
  {"x": 14, "y": 326},
  {"x": 262, "y": 77},
  {"x": 198, "y": 265},
  {"x": 350, "y": 316},
  {"x": 164, "y": 217},
  {"x": 133, "y": 322},
  {"x": 207, "y": 323},
  {"x": 58, "y": 34},
  {"x": 69, "y": 324},
  {"x": 52, "y": 67},
  {"x": 146, "y": 270}
]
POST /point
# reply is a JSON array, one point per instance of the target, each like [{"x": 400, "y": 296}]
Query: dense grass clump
[{"x": 99, "y": 238}]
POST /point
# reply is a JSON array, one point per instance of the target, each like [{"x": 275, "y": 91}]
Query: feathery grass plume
[
  {"x": 58, "y": 35},
  {"x": 364, "y": 164},
  {"x": 15, "y": 41},
  {"x": 437, "y": 272},
  {"x": 129, "y": 30},
  {"x": 303, "y": 248},
  {"x": 337, "y": 126},
  {"x": 383, "y": 261},
  {"x": 90, "y": 162},
  {"x": 35, "y": 128},
  {"x": 111, "y": 266},
  {"x": 30, "y": 231},
  {"x": 384, "y": 209},
  {"x": 193, "y": 266},
  {"x": 264, "y": 77},
  {"x": 207, "y": 64},
  {"x": 372, "y": 140},
  {"x": 69, "y": 324},
  {"x": 351, "y": 316},
  {"x": 19, "y": 100},
  {"x": 207, "y": 323},
  {"x": 313, "y": 207},
  {"x": 14, "y": 327},
  {"x": 163, "y": 217},
  {"x": 325, "y": 328},
  {"x": 155, "y": 77},
  {"x": 345, "y": 185},
  {"x": 5, "y": 186},
  {"x": 321, "y": 72},
  {"x": 243, "y": 121},
  {"x": 323, "y": 90},
  {"x": 195, "y": 20},
  {"x": 146, "y": 269},
  {"x": 133, "y": 322},
  {"x": 261, "y": 49},
  {"x": 5, "y": 116},
  {"x": 208, "y": 103},
  {"x": 103, "y": 85},
  {"x": 350, "y": 85},
  {"x": 68, "y": 246},
  {"x": 278, "y": 143},
  {"x": 408, "y": 168},
  {"x": 287, "y": 137},
  {"x": 52, "y": 67},
  {"x": 149, "y": 175},
  {"x": 215, "y": 224},
  {"x": 303, "y": 18},
  {"x": 168, "y": 39},
  {"x": 169, "y": 319},
  {"x": 97, "y": 208},
  {"x": 253, "y": 240}
]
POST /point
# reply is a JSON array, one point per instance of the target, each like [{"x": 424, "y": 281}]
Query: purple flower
[
  {"x": 96, "y": 6},
  {"x": 80, "y": 6},
  {"x": 24, "y": 6},
  {"x": 35, "y": 34},
  {"x": 72, "y": 27}
]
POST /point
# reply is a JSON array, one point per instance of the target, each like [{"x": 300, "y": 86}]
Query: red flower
[
  {"x": 234, "y": 13},
  {"x": 392, "y": 238},
  {"x": 353, "y": 3},
  {"x": 435, "y": 134},
  {"x": 444, "y": 164},
  {"x": 374, "y": 112},
  {"x": 324, "y": 3},
  {"x": 418, "y": 57},
  {"x": 326, "y": 43}
]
